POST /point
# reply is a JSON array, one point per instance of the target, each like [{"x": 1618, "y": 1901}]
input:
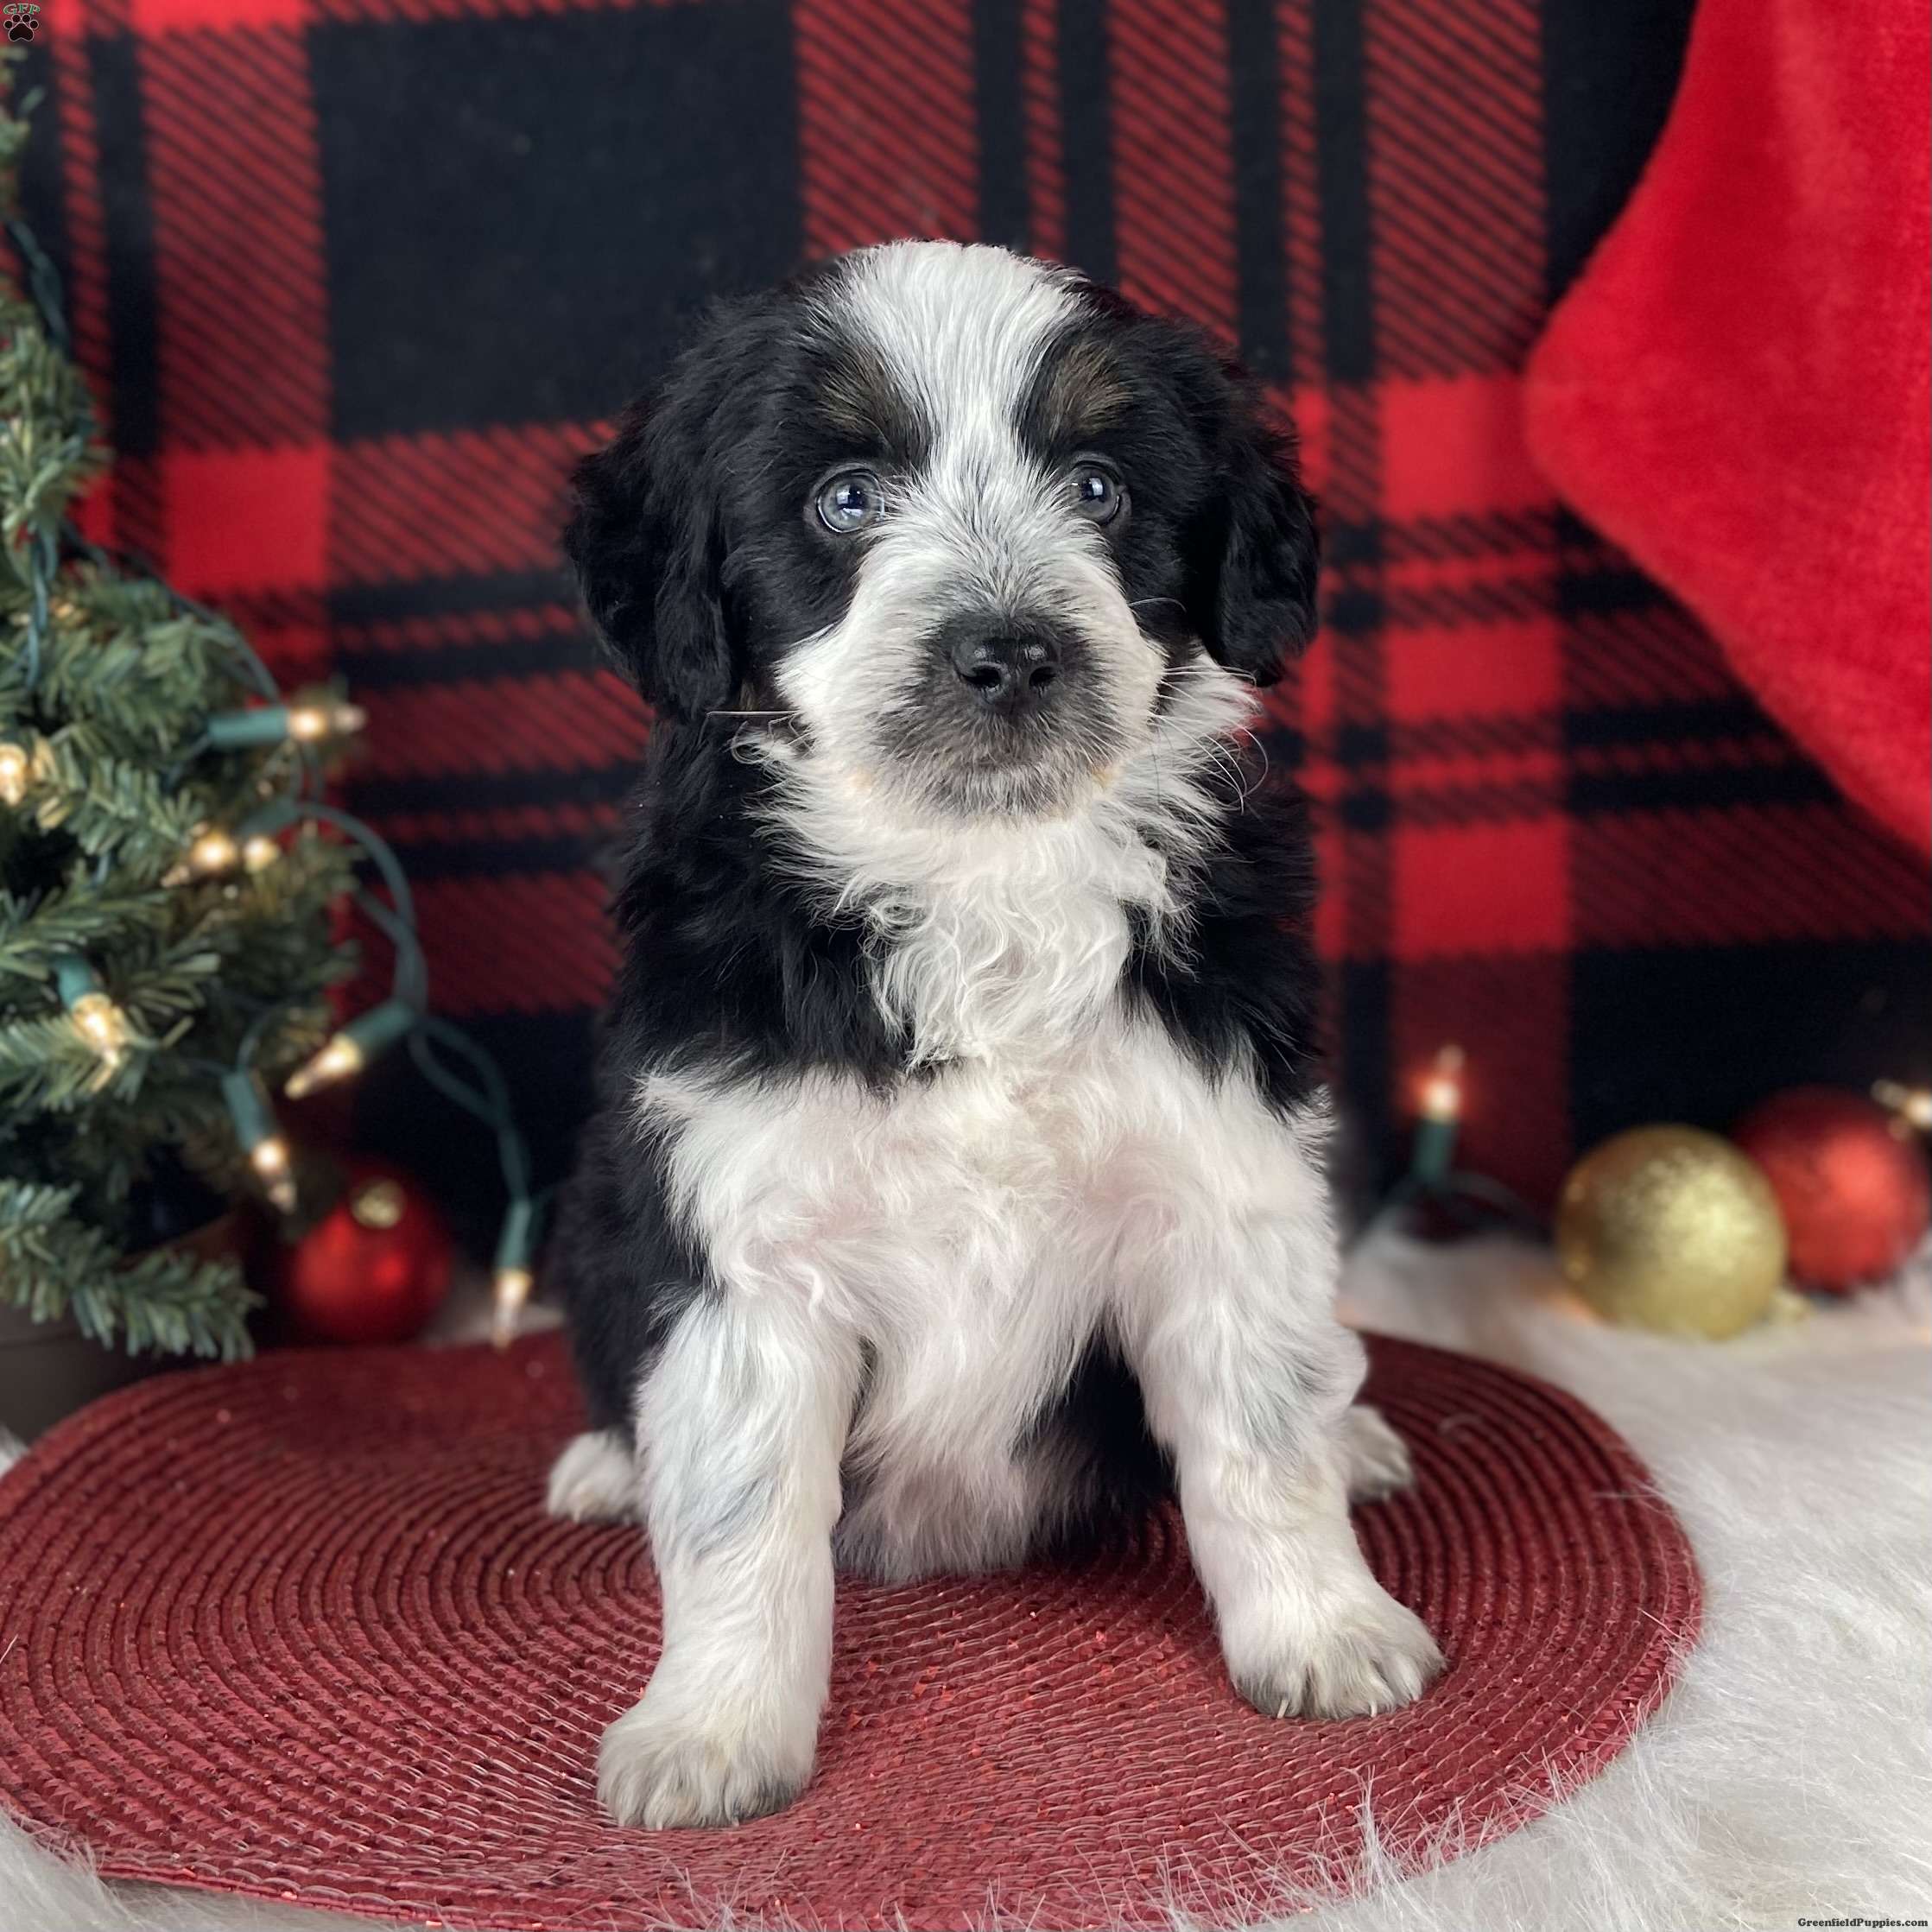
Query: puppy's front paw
[
  {"x": 671, "y": 1760},
  {"x": 1361, "y": 1656},
  {"x": 1374, "y": 1458}
]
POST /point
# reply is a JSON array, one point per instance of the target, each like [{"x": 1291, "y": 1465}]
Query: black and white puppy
[{"x": 957, "y": 1177}]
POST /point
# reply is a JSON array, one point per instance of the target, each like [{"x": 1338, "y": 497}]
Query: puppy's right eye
[{"x": 850, "y": 500}]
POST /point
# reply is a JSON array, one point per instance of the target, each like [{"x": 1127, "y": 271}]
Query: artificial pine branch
[
  {"x": 33, "y": 934},
  {"x": 46, "y": 1066},
  {"x": 52, "y": 1265},
  {"x": 114, "y": 809},
  {"x": 45, "y": 457},
  {"x": 133, "y": 667}
]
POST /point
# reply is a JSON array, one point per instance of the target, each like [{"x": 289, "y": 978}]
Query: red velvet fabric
[{"x": 1735, "y": 390}]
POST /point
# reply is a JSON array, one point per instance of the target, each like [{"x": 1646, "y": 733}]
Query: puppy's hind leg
[
  {"x": 741, "y": 1425},
  {"x": 1375, "y": 1460},
  {"x": 594, "y": 1480}
]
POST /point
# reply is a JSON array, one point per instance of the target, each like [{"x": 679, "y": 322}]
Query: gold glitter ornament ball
[{"x": 1673, "y": 1229}]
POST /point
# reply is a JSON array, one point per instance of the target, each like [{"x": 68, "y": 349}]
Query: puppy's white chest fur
[
  {"x": 977, "y": 1227},
  {"x": 1045, "y": 1173}
]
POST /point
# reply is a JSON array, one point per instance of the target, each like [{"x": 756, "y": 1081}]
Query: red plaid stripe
[
  {"x": 1172, "y": 167},
  {"x": 887, "y": 135},
  {"x": 242, "y": 357},
  {"x": 468, "y": 502}
]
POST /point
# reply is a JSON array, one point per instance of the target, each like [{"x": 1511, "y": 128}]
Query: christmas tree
[{"x": 167, "y": 891}]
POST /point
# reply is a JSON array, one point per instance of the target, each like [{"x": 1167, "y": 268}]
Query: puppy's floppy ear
[
  {"x": 645, "y": 541},
  {"x": 1255, "y": 601}
]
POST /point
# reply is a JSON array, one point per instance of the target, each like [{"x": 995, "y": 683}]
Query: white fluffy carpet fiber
[{"x": 1789, "y": 1775}]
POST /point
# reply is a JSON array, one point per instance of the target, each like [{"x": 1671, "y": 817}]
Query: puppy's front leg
[
  {"x": 740, "y": 1426},
  {"x": 1247, "y": 1376}
]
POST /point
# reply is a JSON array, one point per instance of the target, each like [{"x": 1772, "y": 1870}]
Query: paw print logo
[{"x": 23, "y": 20}]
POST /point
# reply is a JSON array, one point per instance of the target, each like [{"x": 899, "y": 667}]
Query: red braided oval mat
[{"x": 300, "y": 1629}]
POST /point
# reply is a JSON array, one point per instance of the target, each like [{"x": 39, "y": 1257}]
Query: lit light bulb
[
  {"x": 513, "y": 1282},
  {"x": 1439, "y": 1112},
  {"x": 337, "y": 1060},
  {"x": 259, "y": 852},
  {"x": 509, "y": 1290},
  {"x": 260, "y": 1139},
  {"x": 16, "y": 771},
  {"x": 214, "y": 851},
  {"x": 307, "y": 723},
  {"x": 102, "y": 1024},
  {"x": 269, "y": 1159},
  {"x": 1441, "y": 1091},
  {"x": 97, "y": 1020},
  {"x": 312, "y": 719},
  {"x": 1913, "y": 1104},
  {"x": 352, "y": 1049}
]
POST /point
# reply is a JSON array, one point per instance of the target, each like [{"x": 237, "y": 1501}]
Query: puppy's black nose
[{"x": 1006, "y": 673}]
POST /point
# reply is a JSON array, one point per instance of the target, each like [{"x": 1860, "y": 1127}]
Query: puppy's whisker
[{"x": 1245, "y": 786}]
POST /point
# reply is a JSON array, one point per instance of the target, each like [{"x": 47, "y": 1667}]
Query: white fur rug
[{"x": 1788, "y": 1776}]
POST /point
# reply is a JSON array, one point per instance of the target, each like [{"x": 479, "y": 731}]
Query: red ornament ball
[
  {"x": 1850, "y": 1178},
  {"x": 374, "y": 1268}
]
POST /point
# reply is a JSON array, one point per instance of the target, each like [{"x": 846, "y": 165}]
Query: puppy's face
[{"x": 960, "y": 515}]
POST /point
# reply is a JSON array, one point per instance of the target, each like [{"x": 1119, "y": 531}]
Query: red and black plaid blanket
[{"x": 355, "y": 278}]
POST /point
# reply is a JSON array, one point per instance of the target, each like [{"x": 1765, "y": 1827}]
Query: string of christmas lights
[{"x": 294, "y": 729}]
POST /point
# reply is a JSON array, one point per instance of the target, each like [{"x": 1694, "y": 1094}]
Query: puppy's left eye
[{"x": 1098, "y": 494}]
